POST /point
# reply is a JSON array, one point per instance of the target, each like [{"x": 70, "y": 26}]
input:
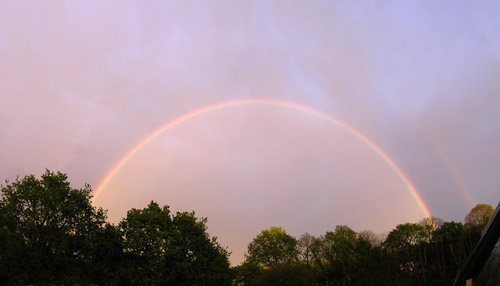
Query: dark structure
[{"x": 482, "y": 267}]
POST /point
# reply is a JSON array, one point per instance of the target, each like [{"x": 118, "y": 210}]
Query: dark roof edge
[{"x": 479, "y": 255}]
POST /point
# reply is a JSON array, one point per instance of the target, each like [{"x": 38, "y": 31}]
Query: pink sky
[{"x": 84, "y": 82}]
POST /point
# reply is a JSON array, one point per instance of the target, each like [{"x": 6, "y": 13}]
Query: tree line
[
  {"x": 426, "y": 253},
  {"x": 50, "y": 233}
]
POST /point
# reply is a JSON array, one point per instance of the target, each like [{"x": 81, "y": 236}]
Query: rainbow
[
  {"x": 438, "y": 151},
  {"x": 218, "y": 106}
]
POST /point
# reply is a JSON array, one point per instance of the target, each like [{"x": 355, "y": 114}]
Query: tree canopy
[
  {"x": 429, "y": 252},
  {"x": 479, "y": 215},
  {"x": 272, "y": 247},
  {"x": 51, "y": 233},
  {"x": 171, "y": 249}
]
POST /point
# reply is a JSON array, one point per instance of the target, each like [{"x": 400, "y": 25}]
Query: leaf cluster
[{"x": 51, "y": 234}]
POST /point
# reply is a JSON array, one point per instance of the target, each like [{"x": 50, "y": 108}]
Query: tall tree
[
  {"x": 305, "y": 248},
  {"x": 407, "y": 244},
  {"x": 371, "y": 261},
  {"x": 338, "y": 252},
  {"x": 166, "y": 249},
  {"x": 272, "y": 247},
  {"x": 247, "y": 274},
  {"x": 449, "y": 251},
  {"x": 51, "y": 233}
]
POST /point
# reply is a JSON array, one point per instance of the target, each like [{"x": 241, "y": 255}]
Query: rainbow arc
[{"x": 285, "y": 104}]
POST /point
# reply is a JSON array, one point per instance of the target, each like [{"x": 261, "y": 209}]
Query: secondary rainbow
[
  {"x": 286, "y": 104},
  {"x": 438, "y": 151}
]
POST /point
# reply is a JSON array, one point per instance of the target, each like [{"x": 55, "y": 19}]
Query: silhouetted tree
[
  {"x": 407, "y": 244},
  {"x": 285, "y": 275},
  {"x": 51, "y": 233},
  {"x": 371, "y": 263},
  {"x": 246, "y": 274},
  {"x": 167, "y": 249}
]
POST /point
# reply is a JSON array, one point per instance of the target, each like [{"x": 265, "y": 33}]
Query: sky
[{"x": 84, "y": 82}]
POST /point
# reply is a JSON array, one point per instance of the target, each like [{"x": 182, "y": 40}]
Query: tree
[
  {"x": 449, "y": 250},
  {"x": 407, "y": 244},
  {"x": 371, "y": 261},
  {"x": 285, "y": 275},
  {"x": 371, "y": 237},
  {"x": 272, "y": 247},
  {"x": 246, "y": 274},
  {"x": 337, "y": 256},
  {"x": 479, "y": 215},
  {"x": 405, "y": 235},
  {"x": 305, "y": 248},
  {"x": 51, "y": 233},
  {"x": 166, "y": 249}
]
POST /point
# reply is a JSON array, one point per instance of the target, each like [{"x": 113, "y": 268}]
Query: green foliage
[
  {"x": 479, "y": 215},
  {"x": 426, "y": 253},
  {"x": 370, "y": 264},
  {"x": 423, "y": 255},
  {"x": 407, "y": 246},
  {"x": 246, "y": 274},
  {"x": 291, "y": 274},
  {"x": 51, "y": 233},
  {"x": 172, "y": 249},
  {"x": 405, "y": 236},
  {"x": 335, "y": 254},
  {"x": 285, "y": 275},
  {"x": 272, "y": 247}
]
